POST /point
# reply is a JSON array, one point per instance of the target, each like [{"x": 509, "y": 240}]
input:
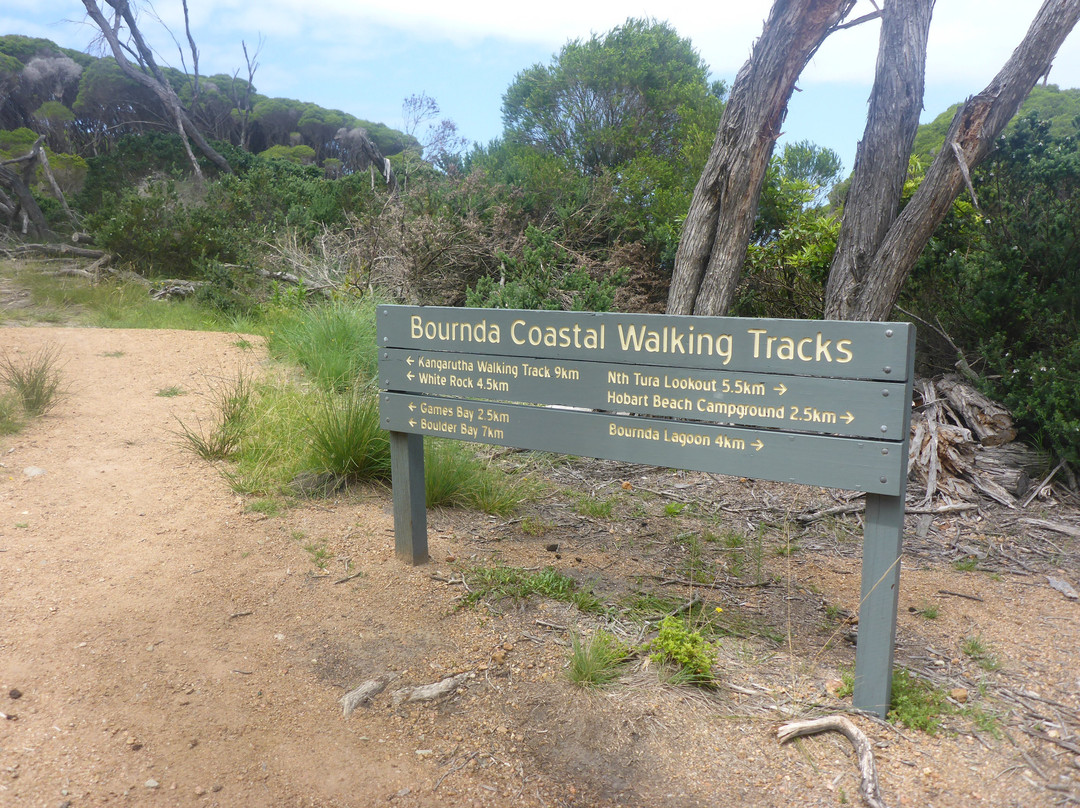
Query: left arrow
[
  {"x": 409, "y": 376},
  {"x": 409, "y": 360},
  {"x": 412, "y": 407},
  {"x": 412, "y": 422}
]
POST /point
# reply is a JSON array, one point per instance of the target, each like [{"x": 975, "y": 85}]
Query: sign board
[{"x": 822, "y": 403}]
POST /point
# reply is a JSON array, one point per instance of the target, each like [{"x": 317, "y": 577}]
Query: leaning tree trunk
[
  {"x": 718, "y": 225},
  {"x": 151, "y": 76},
  {"x": 881, "y": 162},
  {"x": 970, "y": 139}
]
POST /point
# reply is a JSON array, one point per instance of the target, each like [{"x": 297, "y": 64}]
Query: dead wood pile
[{"x": 962, "y": 446}]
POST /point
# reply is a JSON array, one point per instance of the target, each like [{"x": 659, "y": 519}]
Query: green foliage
[
  {"x": 334, "y": 343},
  {"x": 36, "y": 380},
  {"x": 1006, "y": 284},
  {"x": 233, "y": 405},
  {"x": 975, "y": 648},
  {"x": 11, "y": 414},
  {"x": 603, "y": 101},
  {"x": 916, "y": 703},
  {"x": 597, "y": 662},
  {"x": 546, "y": 277},
  {"x": 301, "y": 155},
  {"x": 682, "y": 646},
  {"x": 345, "y": 437},
  {"x": 455, "y": 476},
  {"x": 498, "y": 583}
]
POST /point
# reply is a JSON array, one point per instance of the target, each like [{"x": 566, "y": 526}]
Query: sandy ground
[{"x": 169, "y": 647}]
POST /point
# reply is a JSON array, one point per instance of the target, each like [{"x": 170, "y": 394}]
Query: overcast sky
[{"x": 365, "y": 58}]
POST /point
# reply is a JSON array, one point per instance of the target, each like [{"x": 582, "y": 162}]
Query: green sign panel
[
  {"x": 831, "y": 349},
  {"x": 798, "y": 403},
  {"x": 813, "y": 402},
  {"x": 861, "y": 465}
]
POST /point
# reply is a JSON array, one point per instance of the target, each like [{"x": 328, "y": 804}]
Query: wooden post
[
  {"x": 883, "y": 536},
  {"x": 410, "y": 508}
]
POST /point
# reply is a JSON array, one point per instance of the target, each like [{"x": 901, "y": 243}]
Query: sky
[{"x": 365, "y": 58}]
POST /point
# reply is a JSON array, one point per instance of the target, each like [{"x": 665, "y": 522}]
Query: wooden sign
[{"x": 822, "y": 403}]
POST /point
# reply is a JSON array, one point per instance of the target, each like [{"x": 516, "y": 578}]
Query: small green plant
[
  {"x": 112, "y": 354},
  {"x": 535, "y": 526},
  {"x": 597, "y": 662},
  {"x": 832, "y": 611},
  {"x": 36, "y": 380},
  {"x": 929, "y": 611},
  {"x": 916, "y": 703},
  {"x": 674, "y": 508},
  {"x": 595, "y": 508},
  {"x": 244, "y": 344},
  {"x": 171, "y": 392},
  {"x": 268, "y": 507},
  {"x": 979, "y": 651},
  {"x": 11, "y": 420},
  {"x": 497, "y": 583},
  {"x": 696, "y": 566},
  {"x": 678, "y": 645},
  {"x": 320, "y": 556},
  {"x": 968, "y": 564},
  {"x": 233, "y": 405}
]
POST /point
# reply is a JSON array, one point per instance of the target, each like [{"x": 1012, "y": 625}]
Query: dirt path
[{"x": 172, "y": 648}]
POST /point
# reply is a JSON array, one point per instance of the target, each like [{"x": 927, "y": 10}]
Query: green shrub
[
  {"x": 545, "y": 277},
  {"x": 679, "y": 645}
]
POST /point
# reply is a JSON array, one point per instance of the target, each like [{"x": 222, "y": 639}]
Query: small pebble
[
  {"x": 151, "y": 783},
  {"x": 15, "y": 693}
]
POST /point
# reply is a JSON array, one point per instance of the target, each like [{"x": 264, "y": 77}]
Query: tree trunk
[
  {"x": 970, "y": 139},
  {"x": 718, "y": 225},
  {"x": 881, "y": 163},
  {"x": 150, "y": 76},
  {"x": 26, "y": 201}
]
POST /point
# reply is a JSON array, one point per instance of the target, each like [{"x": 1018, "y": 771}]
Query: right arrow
[
  {"x": 758, "y": 445},
  {"x": 848, "y": 417},
  {"x": 781, "y": 388}
]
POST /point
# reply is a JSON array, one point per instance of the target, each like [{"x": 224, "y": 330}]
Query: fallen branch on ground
[{"x": 837, "y": 723}]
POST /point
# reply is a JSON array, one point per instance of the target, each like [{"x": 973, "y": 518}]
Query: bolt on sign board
[{"x": 824, "y": 403}]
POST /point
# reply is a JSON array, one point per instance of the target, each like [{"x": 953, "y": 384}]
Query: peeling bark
[
  {"x": 881, "y": 162},
  {"x": 713, "y": 245},
  {"x": 974, "y": 130}
]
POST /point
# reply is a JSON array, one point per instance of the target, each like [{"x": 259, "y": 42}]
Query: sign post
[{"x": 822, "y": 403}]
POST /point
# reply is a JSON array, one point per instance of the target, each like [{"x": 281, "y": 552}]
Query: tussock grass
[
  {"x": 220, "y": 439},
  {"x": 455, "y": 476},
  {"x": 36, "y": 380},
  {"x": 334, "y": 343},
  {"x": 597, "y": 662},
  {"x": 501, "y": 582},
  {"x": 345, "y": 437}
]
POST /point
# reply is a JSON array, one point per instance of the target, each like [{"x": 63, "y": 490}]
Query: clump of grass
[
  {"x": 11, "y": 414},
  {"x": 679, "y": 646},
  {"x": 979, "y": 651},
  {"x": 345, "y": 436},
  {"x": 455, "y": 476},
  {"x": 598, "y": 661},
  {"x": 335, "y": 343},
  {"x": 267, "y": 507},
  {"x": 929, "y": 611},
  {"x": 36, "y": 380},
  {"x": 501, "y": 582},
  {"x": 171, "y": 392},
  {"x": 233, "y": 405},
  {"x": 593, "y": 507}
]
